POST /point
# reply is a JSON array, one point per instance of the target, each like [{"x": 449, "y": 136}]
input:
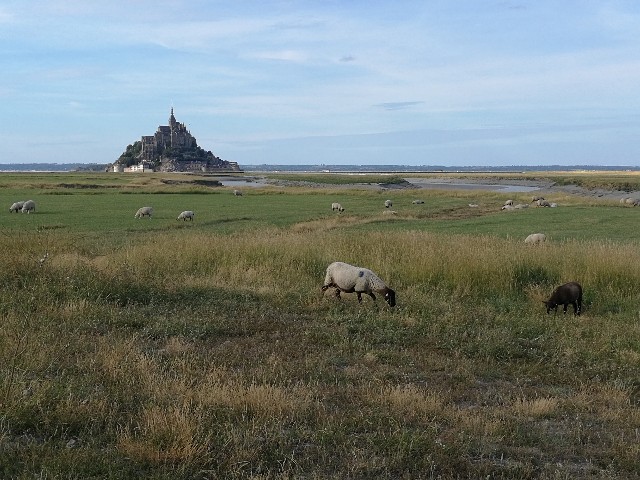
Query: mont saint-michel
[{"x": 171, "y": 149}]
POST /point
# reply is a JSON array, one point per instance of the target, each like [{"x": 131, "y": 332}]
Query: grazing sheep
[
  {"x": 418, "y": 202},
  {"x": 507, "y": 207},
  {"x": 28, "y": 206},
  {"x": 536, "y": 238},
  {"x": 553, "y": 204},
  {"x": 543, "y": 203},
  {"x": 348, "y": 279},
  {"x": 144, "y": 212},
  {"x": 521, "y": 206},
  {"x": 16, "y": 207},
  {"x": 187, "y": 214},
  {"x": 509, "y": 202},
  {"x": 336, "y": 206},
  {"x": 565, "y": 295},
  {"x": 237, "y": 193},
  {"x": 535, "y": 199},
  {"x": 388, "y": 204},
  {"x": 632, "y": 201},
  {"x": 474, "y": 205},
  {"x": 623, "y": 200}
]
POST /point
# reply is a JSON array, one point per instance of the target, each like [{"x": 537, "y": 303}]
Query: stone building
[{"x": 167, "y": 136}]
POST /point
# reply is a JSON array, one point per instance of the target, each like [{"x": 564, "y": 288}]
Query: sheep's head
[
  {"x": 550, "y": 305},
  {"x": 390, "y": 297}
]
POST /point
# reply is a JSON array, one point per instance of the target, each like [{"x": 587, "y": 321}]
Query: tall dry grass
[{"x": 199, "y": 355}]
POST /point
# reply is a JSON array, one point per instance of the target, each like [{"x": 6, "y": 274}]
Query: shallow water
[{"x": 430, "y": 183}]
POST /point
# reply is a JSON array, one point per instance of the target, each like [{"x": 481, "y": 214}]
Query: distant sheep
[
  {"x": 521, "y": 206},
  {"x": 144, "y": 212},
  {"x": 337, "y": 207},
  {"x": 474, "y": 205},
  {"x": 349, "y": 279},
  {"x": 509, "y": 202},
  {"x": 418, "y": 202},
  {"x": 543, "y": 203},
  {"x": 536, "y": 238},
  {"x": 553, "y": 205},
  {"x": 237, "y": 193},
  {"x": 16, "y": 207},
  {"x": 186, "y": 215},
  {"x": 507, "y": 207},
  {"x": 536, "y": 198},
  {"x": 565, "y": 295},
  {"x": 388, "y": 204},
  {"x": 28, "y": 206},
  {"x": 632, "y": 201}
]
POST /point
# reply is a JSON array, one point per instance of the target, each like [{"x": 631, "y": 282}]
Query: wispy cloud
[{"x": 397, "y": 105}]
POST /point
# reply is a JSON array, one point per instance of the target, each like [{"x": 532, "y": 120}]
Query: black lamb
[{"x": 565, "y": 295}]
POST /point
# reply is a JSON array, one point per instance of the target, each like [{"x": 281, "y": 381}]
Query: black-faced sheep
[
  {"x": 509, "y": 202},
  {"x": 536, "y": 198},
  {"x": 144, "y": 212},
  {"x": 28, "y": 206},
  {"x": 388, "y": 204},
  {"x": 187, "y": 214},
  {"x": 337, "y": 207},
  {"x": 565, "y": 295},
  {"x": 536, "y": 238},
  {"x": 349, "y": 279},
  {"x": 16, "y": 207}
]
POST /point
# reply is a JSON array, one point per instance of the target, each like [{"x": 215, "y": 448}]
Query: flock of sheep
[{"x": 347, "y": 278}]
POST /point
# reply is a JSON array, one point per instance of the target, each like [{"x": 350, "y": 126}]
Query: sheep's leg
[
  {"x": 372, "y": 296},
  {"x": 338, "y": 293},
  {"x": 564, "y": 308},
  {"x": 359, "y": 297}
]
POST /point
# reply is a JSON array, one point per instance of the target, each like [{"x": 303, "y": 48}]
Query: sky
[{"x": 335, "y": 82}]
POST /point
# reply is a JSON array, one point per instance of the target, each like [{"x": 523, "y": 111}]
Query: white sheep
[
  {"x": 543, "y": 203},
  {"x": 237, "y": 193},
  {"x": 521, "y": 206},
  {"x": 473, "y": 205},
  {"x": 509, "y": 202},
  {"x": 16, "y": 207},
  {"x": 28, "y": 206},
  {"x": 144, "y": 212},
  {"x": 536, "y": 238},
  {"x": 388, "y": 204},
  {"x": 418, "y": 202},
  {"x": 336, "y": 206},
  {"x": 187, "y": 214},
  {"x": 349, "y": 279},
  {"x": 632, "y": 201},
  {"x": 536, "y": 198},
  {"x": 507, "y": 207}
]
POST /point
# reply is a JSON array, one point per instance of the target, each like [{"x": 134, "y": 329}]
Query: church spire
[{"x": 172, "y": 119}]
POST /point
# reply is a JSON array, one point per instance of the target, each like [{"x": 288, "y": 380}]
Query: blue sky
[{"x": 364, "y": 82}]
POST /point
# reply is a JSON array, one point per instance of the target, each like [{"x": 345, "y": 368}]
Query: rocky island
[{"x": 171, "y": 149}]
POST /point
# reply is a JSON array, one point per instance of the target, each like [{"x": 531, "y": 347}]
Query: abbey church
[{"x": 171, "y": 149}]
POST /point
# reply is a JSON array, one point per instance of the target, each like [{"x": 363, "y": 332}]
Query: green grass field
[{"x": 157, "y": 348}]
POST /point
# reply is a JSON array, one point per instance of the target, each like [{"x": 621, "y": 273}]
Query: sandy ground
[{"x": 516, "y": 186}]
